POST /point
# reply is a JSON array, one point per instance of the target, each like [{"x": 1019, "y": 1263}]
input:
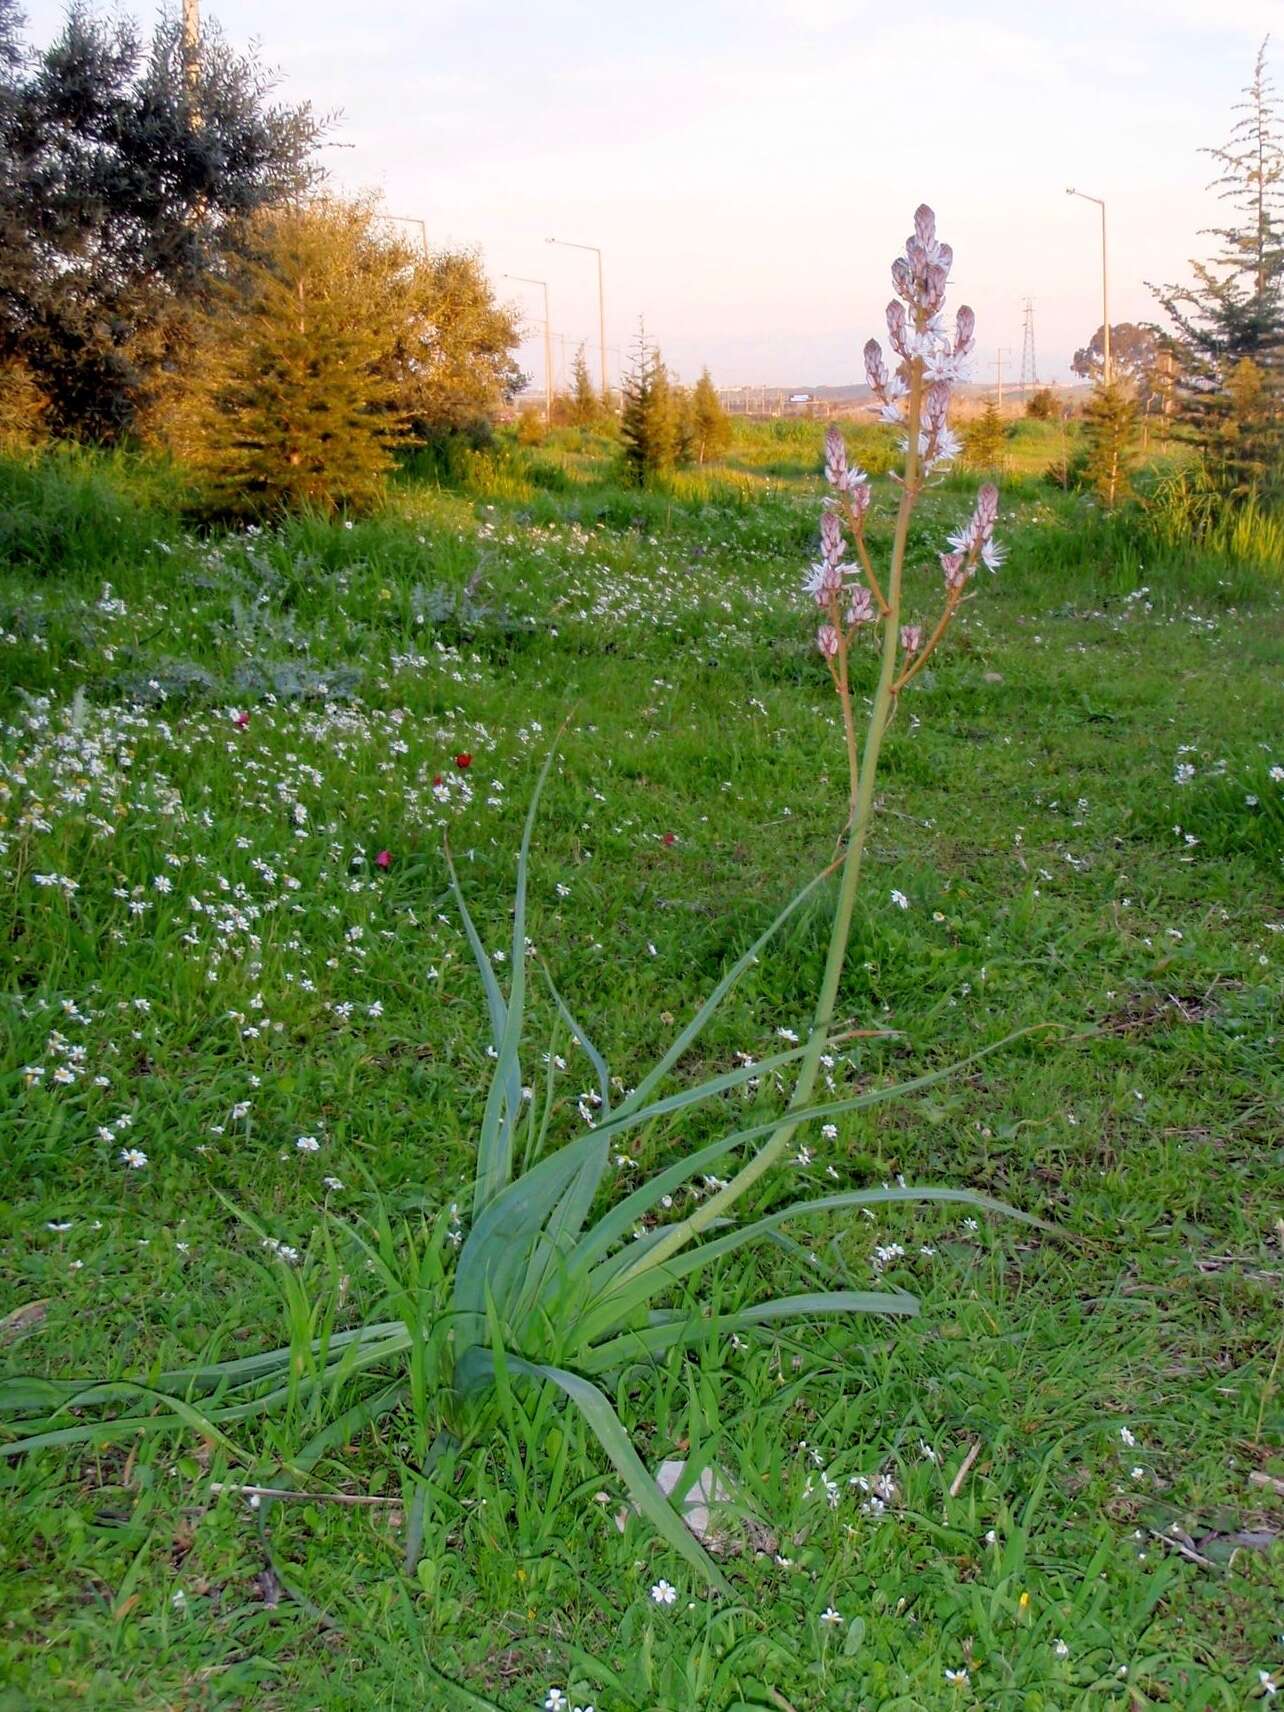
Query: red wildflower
[
  {"x": 464, "y": 760},
  {"x": 670, "y": 838},
  {"x": 242, "y": 720}
]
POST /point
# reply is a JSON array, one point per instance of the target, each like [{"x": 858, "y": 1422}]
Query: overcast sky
[{"x": 749, "y": 167}]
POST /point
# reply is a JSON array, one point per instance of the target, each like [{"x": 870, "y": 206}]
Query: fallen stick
[
  {"x": 1271, "y": 1482},
  {"x": 965, "y": 1468},
  {"x": 287, "y": 1492}
]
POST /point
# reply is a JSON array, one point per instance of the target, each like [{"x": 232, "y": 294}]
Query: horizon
[{"x": 718, "y": 160}]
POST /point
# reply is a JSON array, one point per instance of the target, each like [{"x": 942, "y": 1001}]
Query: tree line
[{"x": 173, "y": 271}]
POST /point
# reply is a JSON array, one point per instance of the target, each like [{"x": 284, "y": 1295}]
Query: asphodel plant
[{"x": 555, "y": 1283}]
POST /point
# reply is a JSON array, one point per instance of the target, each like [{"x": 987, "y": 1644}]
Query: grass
[{"x": 1034, "y": 789}]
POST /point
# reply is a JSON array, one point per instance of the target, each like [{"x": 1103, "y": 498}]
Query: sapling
[{"x": 549, "y": 1280}]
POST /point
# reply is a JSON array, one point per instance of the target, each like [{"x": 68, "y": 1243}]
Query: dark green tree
[
  {"x": 1041, "y": 405},
  {"x": 648, "y": 425},
  {"x": 1111, "y": 424},
  {"x": 126, "y": 171},
  {"x": 985, "y": 438},
  {"x": 1227, "y": 337},
  {"x": 710, "y": 423}
]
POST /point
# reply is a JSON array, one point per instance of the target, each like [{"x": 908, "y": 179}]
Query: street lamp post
[
  {"x": 601, "y": 304},
  {"x": 548, "y": 344},
  {"x": 1105, "y": 281}
]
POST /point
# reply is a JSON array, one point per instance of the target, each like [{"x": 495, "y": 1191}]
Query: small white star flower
[
  {"x": 830, "y": 1618},
  {"x": 134, "y": 1157},
  {"x": 957, "y": 1678},
  {"x": 664, "y": 1593}
]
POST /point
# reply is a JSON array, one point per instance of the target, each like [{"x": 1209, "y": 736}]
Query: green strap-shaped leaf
[
  {"x": 595, "y": 1058},
  {"x": 610, "y": 1433},
  {"x": 126, "y": 1428},
  {"x": 698, "y": 1022},
  {"x": 503, "y": 1100},
  {"x": 649, "y": 1341},
  {"x": 636, "y": 1286},
  {"x": 624, "y": 1215}
]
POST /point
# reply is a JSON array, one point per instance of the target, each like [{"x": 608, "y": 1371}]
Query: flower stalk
[{"x": 916, "y": 393}]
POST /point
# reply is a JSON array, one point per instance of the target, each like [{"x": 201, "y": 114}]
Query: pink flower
[
  {"x": 861, "y": 610},
  {"x": 827, "y": 640},
  {"x": 911, "y": 638},
  {"x": 242, "y": 720},
  {"x": 384, "y": 859},
  {"x": 956, "y": 569},
  {"x": 835, "y": 459}
]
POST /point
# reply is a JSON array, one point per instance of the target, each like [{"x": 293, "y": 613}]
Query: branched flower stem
[{"x": 917, "y": 337}]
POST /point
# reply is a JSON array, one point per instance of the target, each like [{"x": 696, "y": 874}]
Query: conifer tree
[
  {"x": 1228, "y": 325},
  {"x": 1111, "y": 423},
  {"x": 984, "y": 439},
  {"x": 586, "y": 407},
  {"x": 710, "y": 422},
  {"x": 647, "y": 425},
  {"x": 292, "y": 400}
]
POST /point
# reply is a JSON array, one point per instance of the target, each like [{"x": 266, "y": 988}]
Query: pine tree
[
  {"x": 1041, "y": 406},
  {"x": 712, "y": 425},
  {"x": 586, "y": 406},
  {"x": 1111, "y": 423},
  {"x": 984, "y": 439},
  {"x": 647, "y": 425},
  {"x": 1228, "y": 326},
  {"x": 291, "y": 399}
]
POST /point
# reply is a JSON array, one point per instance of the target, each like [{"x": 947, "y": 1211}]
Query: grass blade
[{"x": 609, "y": 1431}]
